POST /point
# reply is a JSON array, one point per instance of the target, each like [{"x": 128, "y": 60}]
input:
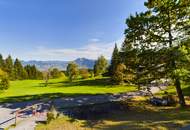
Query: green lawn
[
  {"x": 172, "y": 90},
  {"x": 34, "y": 89}
]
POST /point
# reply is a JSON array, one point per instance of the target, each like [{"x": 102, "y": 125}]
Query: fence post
[{"x": 16, "y": 117}]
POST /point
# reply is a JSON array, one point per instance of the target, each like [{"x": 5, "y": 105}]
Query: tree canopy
[
  {"x": 157, "y": 43},
  {"x": 100, "y": 66}
]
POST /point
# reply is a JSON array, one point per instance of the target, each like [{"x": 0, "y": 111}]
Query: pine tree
[
  {"x": 1, "y": 62},
  {"x": 115, "y": 60},
  {"x": 173, "y": 19},
  {"x": 129, "y": 57},
  {"x": 165, "y": 26},
  {"x": 9, "y": 67},
  {"x": 19, "y": 71},
  {"x": 27, "y": 68},
  {"x": 32, "y": 72}
]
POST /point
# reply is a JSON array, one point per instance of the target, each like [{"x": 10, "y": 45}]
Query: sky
[{"x": 63, "y": 29}]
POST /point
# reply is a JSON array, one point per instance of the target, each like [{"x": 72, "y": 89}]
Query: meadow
[{"x": 35, "y": 89}]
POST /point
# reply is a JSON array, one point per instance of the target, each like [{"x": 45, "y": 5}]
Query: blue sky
[{"x": 63, "y": 29}]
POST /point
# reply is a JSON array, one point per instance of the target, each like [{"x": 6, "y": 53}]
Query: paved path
[
  {"x": 7, "y": 109},
  {"x": 186, "y": 128},
  {"x": 5, "y": 116},
  {"x": 27, "y": 124}
]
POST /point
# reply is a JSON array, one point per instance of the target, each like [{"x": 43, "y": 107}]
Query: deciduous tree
[
  {"x": 84, "y": 73},
  {"x": 72, "y": 71},
  {"x": 100, "y": 66}
]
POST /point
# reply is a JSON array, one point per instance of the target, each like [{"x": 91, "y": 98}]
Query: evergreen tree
[
  {"x": 9, "y": 67},
  {"x": 129, "y": 57},
  {"x": 1, "y": 62},
  {"x": 32, "y": 72},
  {"x": 173, "y": 19},
  {"x": 165, "y": 26},
  {"x": 100, "y": 66},
  {"x": 19, "y": 71},
  {"x": 115, "y": 60},
  {"x": 27, "y": 68}
]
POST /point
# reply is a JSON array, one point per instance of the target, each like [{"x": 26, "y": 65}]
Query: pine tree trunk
[
  {"x": 177, "y": 80},
  {"x": 179, "y": 92}
]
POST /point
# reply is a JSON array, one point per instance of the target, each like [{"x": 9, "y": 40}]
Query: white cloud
[
  {"x": 94, "y": 40},
  {"x": 90, "y": 51}
]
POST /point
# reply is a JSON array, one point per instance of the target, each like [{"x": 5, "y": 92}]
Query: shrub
[
  {"x": 84, "y": 73},
  {"x": 52, "y": 114},
  {"x": 119, "y": 75},
  {"x": 50, "y": 117},
  {"x": 4, "y": 84}
]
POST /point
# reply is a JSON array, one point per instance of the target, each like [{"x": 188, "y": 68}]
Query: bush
[
  {"x": 4, "y": 84},
  {"x": 52, "y": 114},
  {"x": 50, "y": 117},
  {"x": 55, "y": 73},
  {"x": 119, "y": 75},
  {"x": 84, "y": 73}
]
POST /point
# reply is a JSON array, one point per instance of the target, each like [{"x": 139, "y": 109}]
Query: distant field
[{"x": 34, "y": 89}]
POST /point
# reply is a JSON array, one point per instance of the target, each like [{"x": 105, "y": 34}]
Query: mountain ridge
[{"x": 44, "y": 65}]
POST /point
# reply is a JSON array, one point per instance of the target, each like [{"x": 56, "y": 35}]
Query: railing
[{"x": 18, "y": 111}]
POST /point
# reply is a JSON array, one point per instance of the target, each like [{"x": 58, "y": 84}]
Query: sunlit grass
[{"x": 29, "y": 89}]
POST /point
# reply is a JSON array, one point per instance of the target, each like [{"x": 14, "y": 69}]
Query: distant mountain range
[{"x": 44, "y": 65}]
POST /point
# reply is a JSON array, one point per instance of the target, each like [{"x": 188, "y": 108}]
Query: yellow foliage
[{"x": 2, "y": 73}]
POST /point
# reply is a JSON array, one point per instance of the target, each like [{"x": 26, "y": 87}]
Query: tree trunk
[
  {"x": 179, "y": 92},
  {"x": 177, "y": 80}
]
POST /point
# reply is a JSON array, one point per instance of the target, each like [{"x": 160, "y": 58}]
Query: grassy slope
[{"x": 34, "y": 89}]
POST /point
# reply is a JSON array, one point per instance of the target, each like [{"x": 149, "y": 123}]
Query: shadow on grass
[
  {"x": 40, "y": 96},
  {"x": 136, "y": 117},
  {"x": 186, "y": 91},
  {"x": 103, "y": 82}
]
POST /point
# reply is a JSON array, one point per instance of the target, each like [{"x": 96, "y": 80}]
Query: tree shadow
[
  {"x": 95, "y": 82},
  {"x": 103, "y": 82},
  {"x": 135, "y": 118},
  {"x": 186, "y": 91},
  {"x": 43, "y": 97}
]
